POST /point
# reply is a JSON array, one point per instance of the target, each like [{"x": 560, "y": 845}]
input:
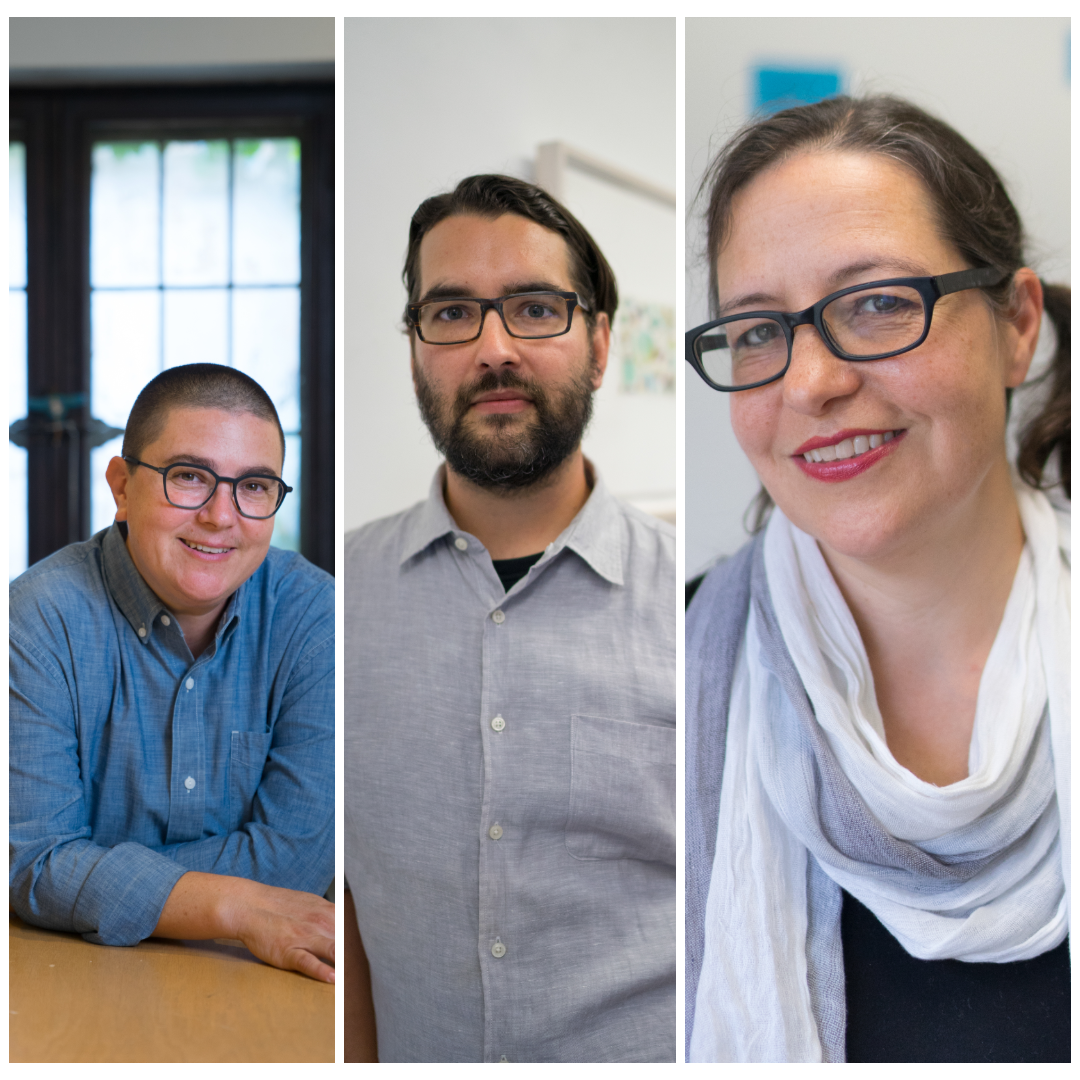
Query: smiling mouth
[
  {"x": 202, "y": 547},
  {"x": 849, "y": 448}
]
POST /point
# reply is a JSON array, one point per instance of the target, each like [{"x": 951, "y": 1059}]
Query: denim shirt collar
[
  {"x": 597, "y": 534},
  {"x": 140, "y": 605}
]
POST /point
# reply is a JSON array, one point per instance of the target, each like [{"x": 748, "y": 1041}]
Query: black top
[
  {"x": 511, "y": 571},
  {"x": 692, "y": 587},
  {"x": 903, "y": 1009}
]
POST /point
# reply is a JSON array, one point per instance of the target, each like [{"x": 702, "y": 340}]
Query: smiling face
[
  {"x": 505, "y": 411},
  {"x": 169, "y": 545},
  {"x": 918, "y": 436}
]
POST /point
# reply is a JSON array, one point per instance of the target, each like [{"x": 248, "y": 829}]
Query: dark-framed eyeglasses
[
  {"x": 455, "y": 320},
  {"x": 864, "y": 322},
  {"x": 189, "y": 487}
]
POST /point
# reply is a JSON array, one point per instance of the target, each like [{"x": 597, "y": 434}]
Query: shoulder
[
  {"x": 720, "y": 604},
  {"x": 67, "y": 585},
  {"x": 383, "y": 537},
  {"x": 647, "y": 535},
  {"x": 291, "y": 593}
]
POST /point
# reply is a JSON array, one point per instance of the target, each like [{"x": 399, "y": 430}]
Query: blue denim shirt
[{"x": 131, "y": 762}]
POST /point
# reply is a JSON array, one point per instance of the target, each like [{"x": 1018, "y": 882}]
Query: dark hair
[
  {"x": 194, "y": 386},
  {"x": 974, "y": 213},
  {"x": 491, "y": 196}
]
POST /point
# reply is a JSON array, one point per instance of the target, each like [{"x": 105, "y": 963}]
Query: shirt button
[
  {"x": 498, "y": 950},
  {"x": 497, "y": 723},
  {"x": 498, "y": 617},
  {"x": 165, "y": 620},
  {"x": 504, "y": 1058},
  {"x": 142, "y": 631},
  {"x": 189, "y": 783},
  {"x": 461, "y": 543},
  {"x": 190, "y": 684},
  {"x": 495, "y": 832}
]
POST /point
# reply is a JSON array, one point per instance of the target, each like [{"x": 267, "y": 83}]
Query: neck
[
  {"x": 511, "y": 524},
  {"x": 928, "y": 615},
  {"x": 199, "y": 630}
]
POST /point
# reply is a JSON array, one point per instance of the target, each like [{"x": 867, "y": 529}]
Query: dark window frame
[{"x": 58, "y": 126}]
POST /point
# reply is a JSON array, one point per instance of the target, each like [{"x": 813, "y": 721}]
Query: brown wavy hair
[{"x": 973, "y": 210}]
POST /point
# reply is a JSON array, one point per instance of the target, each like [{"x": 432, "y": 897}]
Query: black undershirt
[
  {"x": 511, "y": 571},
  {"x": 903, "y": 1009}
]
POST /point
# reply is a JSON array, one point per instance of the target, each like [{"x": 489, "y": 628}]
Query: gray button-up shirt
[{"x": 510, "y": 788}]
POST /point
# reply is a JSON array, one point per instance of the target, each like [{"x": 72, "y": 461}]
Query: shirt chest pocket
[
  {"x": 622, "y": 790},
  {"x": 247, "y": 758}
]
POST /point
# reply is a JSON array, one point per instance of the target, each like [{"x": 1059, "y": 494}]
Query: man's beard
[{"x": 500, "y": 451}]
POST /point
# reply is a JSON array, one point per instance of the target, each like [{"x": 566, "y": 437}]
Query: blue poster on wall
[{"x": 775, "y": 88}]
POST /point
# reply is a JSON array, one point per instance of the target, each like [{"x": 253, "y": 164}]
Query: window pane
[
  {"x": 266, "y": 346},
  {"x": 124, "y": 340},
  {"x": 102, "y": 505},
  {"x": 287, "y": 520},
  {"x": 16, "y": 216},
  {"x": 17, "y": 494},
  {"x": 196, "y": 213},
  {"x": 266, "y": 212},
  {"x": 219, "y": 205},
  {"x": 196, "y": 326},
  {"x": 124, "y": 194}
]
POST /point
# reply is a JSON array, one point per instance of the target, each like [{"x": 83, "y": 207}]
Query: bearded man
[{"x": 509, "y": 679}]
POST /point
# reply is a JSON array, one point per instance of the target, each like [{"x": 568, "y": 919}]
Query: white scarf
[{"x": 995, "y": 888}]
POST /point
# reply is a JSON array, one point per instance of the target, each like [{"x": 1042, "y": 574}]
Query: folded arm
[
  {"x": 283, "y": 927},
  {"x": 120, "y": 894}
]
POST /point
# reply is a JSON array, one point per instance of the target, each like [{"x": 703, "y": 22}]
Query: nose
[
  {"x": 816, "y": 377},
  {"x": 495, "y": 347},
  {"x": 220, "y": 511}
]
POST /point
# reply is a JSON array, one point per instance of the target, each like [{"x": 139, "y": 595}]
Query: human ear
[
  {"x": 1021, "y": 329},
  {"x": 118, "y": 476},
  {"x": 601, "y": 345}
]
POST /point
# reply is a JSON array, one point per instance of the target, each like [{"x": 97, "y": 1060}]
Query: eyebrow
[
  {"x": 460, "y": 292},
  {"x": 906, "y": 268},
  {"x": 207, "y": 463}
]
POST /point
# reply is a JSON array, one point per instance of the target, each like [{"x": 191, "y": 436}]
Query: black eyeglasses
[
  {"x": 863, "y": 322},
  {"x": 458, "y": 319},
  {"x": 188, "y": 487}
]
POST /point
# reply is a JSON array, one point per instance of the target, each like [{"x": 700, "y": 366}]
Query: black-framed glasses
[
  {"x": 864, "y": 322},
  {"x": 458, "y": 319},
  {"x": 189, "y": 487}
]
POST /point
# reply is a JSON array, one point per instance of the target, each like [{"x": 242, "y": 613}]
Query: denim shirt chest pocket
[
  {"x": 622, "y": 790},
  {"x": 247, "y": 758}
]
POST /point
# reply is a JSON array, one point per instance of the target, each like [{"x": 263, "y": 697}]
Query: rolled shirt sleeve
[{"x": 132, "y": 763}]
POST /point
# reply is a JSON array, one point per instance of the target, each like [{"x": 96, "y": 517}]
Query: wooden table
[{"x": 160, "y": 1001}]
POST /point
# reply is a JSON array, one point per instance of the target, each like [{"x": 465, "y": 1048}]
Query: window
[{"x": 171, "y": 226}]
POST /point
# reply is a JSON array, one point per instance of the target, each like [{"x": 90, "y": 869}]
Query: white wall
[
  {"x": 429, "y": 101},
  {"x": 1002, "y": 83},
  {"x": 115, "y": 44}
]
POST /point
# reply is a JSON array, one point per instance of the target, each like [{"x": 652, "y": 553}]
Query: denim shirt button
[{"x": 189, "y": 783}]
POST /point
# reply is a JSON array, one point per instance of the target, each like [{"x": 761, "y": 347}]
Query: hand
[
  {"x": 288, "y": 929},
  {"x": 283, "y": 927}
]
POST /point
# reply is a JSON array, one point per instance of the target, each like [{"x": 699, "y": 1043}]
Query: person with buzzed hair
[{"x": 171, "y": 767}]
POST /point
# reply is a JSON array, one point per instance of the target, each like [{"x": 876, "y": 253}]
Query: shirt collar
[
  {"x": 140, "y": 605},
  {"x": 597, "y": 534}
]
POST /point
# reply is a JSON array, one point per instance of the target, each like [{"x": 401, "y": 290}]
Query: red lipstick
[{"x": 832, "y": 472}]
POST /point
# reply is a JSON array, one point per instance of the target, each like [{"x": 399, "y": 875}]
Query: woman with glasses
[{"x": 877, "y": 807}]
